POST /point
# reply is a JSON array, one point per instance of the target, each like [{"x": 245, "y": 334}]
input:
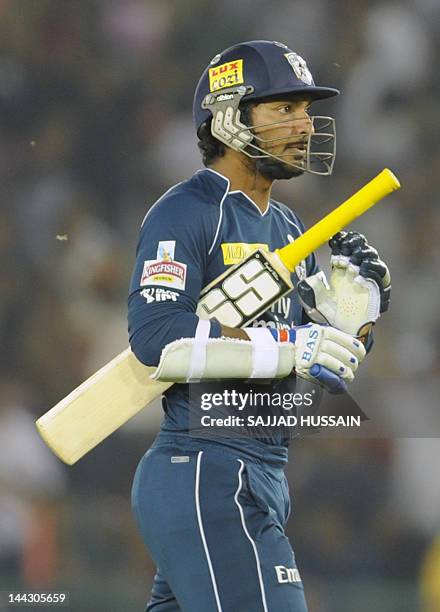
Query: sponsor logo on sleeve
[
  {"x": 156, "y": 294},
  {"x": 234, "y": 252},
  {"x": 226, "y": 75},
  {"x": 164, "y": 270},
  {"x": 170, "y": 274}
]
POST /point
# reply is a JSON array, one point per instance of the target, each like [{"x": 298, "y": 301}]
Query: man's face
[{"x": 286, "y": 138}]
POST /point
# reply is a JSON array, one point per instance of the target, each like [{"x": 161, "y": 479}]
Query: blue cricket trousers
[{"x": 213, "y": 520}]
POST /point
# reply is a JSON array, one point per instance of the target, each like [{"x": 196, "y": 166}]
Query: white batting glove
[
  {"x": 359, "y": 289},
  {"x": 324, "y": 354}
]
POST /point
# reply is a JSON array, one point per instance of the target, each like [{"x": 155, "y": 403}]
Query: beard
[{"x": 273, "y": 169}]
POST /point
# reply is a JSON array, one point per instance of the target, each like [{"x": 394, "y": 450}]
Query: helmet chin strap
[{"x": 227, "y": 127}]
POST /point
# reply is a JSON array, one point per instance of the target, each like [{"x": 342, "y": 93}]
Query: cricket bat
[{"x": 123, "y": 387}]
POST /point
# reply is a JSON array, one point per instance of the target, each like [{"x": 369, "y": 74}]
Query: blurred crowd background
[{"x": 95, "y": 123}]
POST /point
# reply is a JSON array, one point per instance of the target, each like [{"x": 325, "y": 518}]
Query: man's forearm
[{"x": 234, "y": 332}]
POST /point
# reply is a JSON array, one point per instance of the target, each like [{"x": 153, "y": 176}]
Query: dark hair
[{"x": 211, "y": 148}]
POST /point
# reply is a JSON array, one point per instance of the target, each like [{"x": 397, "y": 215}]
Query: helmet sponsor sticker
[
  {"x": 226, "y": 75},
  {"x": 300, "y": 67},
  {"x": 224, "y": 97},
  {"x": 234, "y": 252}
]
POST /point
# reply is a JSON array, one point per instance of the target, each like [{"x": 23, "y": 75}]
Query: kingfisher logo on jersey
[
  {"x": 234, "y": 252},
  {"x": 164, "y": 270},
  {"x": 226, "y": 75},
  {"x": 170, "y": 274}
]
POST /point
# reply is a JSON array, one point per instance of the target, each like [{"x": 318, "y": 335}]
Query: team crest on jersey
[
  {"x": 299, "y": 67},
  {"x": 165, "y": 250},
  {"x": 301, "y": 267},
  {"x": 164, "y": 270},
  {"x": 226, "y": 75},
  {"x": 301, "y": 270}
]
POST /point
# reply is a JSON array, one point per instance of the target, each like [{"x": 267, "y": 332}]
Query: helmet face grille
[{"x": 313, "y": 152}]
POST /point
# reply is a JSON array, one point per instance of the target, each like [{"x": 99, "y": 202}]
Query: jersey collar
[{"x": 225, "y": 183}]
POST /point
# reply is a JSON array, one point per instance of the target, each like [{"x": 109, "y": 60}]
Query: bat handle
[{"x": 371, "y": 193}]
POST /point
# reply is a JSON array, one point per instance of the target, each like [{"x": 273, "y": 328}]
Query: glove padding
[
  {"x": 359, "y": 289},
  {"x": 324, "y": 354},
  {"x": 353, "y": 248}
]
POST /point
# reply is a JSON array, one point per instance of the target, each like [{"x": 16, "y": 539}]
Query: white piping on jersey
[
  {"x": 237, "y": 191},
  {"x": 211, "y": 248},
  {"x": 222, "y": 202},
  {"x": 254, "y": 546},
  {"x": 217, "y": 173},
  {"x": 202, "y": 533},
  {"x": 161, "y": 198},
  {"x": 286, "y": 218},
  {"x": 252, "y": 202}
]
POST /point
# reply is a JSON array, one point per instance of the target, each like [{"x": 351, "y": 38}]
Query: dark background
[{"x": 95, "y": 123}]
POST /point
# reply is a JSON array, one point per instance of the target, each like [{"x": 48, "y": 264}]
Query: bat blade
[
  {"x": 99, "y": 406},
  {"x": 246, "y": 290},
  {"x": 122, "y": 388}
]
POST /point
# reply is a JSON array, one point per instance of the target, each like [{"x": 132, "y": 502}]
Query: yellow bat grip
[{"x": 382, "y": 184}]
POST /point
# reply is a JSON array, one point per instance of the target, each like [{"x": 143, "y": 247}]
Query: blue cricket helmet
[{"x": 267, "y": 69}]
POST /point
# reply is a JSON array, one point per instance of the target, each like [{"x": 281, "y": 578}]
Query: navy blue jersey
[{"x": 190, "y": 236}]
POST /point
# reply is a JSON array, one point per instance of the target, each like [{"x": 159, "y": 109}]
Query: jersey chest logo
[{"x": 234, "y": 252}]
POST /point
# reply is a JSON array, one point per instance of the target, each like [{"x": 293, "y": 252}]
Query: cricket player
[{"x": 212, "y": 509}]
